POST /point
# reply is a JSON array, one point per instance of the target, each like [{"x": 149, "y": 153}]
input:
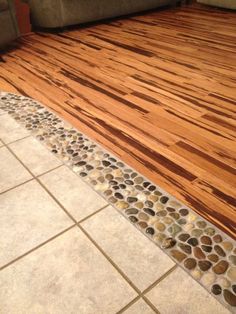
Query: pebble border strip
[{"x": 200, "y": 248}]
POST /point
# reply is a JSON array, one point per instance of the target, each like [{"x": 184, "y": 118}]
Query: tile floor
[
  {"x": 64, "y": 249},
  {"x": 201, "y": 249}
]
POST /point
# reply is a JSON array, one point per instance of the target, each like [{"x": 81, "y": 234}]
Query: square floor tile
[
  {"x": 67, "y": 275},
  {"x": 12, "y": 172},
  {"x": 180, "y": 294},
  {"x": 35, "y": 156},
  {"x": 140, "y": 307},
  {"x": 29, "y": 216},
  {"x": 139, "y": 258},
  {"x": 10, "y": 130},
  {"x": 74, "y": 194}
]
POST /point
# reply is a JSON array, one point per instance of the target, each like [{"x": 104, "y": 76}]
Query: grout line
[
  {"x": 16, "y": 186},
  {"x": 109, "y": 259},
  {"x": 48, "y": 171},
  {"x": 150, "y": 304},
  {"x": 19, "y": 139},
  {"x": 36, "y": 247},
  {"x": 160, "y": 279},
  {"x": 55, "y": 199},
  {"x": 42, "y": 185},
  {"x": 37, "y": 178},
  {"x": 136, "y": 299},
  {"x": 75, "y": 224},
  {"x": 93, "y": 214},
  {"x": 142, "y": 294}
]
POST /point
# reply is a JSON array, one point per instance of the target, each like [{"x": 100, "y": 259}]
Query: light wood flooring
[{"x": 156, "y": 89}]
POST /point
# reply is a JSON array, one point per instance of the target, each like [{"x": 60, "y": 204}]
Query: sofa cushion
[
  {"x": 3, "y": 5},
  {"x": 8, "y": 29},
  {"x": 227, "y": 4}
]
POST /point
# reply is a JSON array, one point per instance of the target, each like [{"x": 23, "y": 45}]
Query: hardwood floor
[{"x": 157, "y": 89}]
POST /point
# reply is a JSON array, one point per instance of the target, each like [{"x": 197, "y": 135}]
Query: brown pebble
[
  {"x": 112, "y": 200},
  {"x": 108, "y": 192},
  {"x": 148, "y": 204},
  {"x": 179, "y": 256},
  {"x": 143, "y": 216},
  {"x": 210, "y": 231},
  {"x": 227, "y": 245},
  {"x": 206, "y": 240},
  {"x": 122, "y": 205},
  {"x": 131, "y": 211},
  {"x": 161, "y": 213},
  {"x": 230, "y": 298},
  {"x": 206, "y": 248},
  {"x": 219, "y": 250},
  {"x": 190, "y": 263},
  {"x": 182, "y": 221},
  {"x": 213, "y": 258},
  {"x": 201, "y": 224},
  {"x": 139, "y": 205},
  {"x": 183, "y": 212},
  {"x": 133, "y": 219},
  {"x": 220, "y": 267},
  {"x": 142, "y": 224},
  {"x": 216, "y": 289},
  {"x": 160, "y": 226},
  {"x": 153, "y": 198},
  {"x": 186, "y": 248},
  {"x": 176, "y": 216},
  {"x": 204, "y": 265},
  {"x": 217, "y": 238},
  {"x": 184, "y": 237},
  {"x": 138, "y": 180},
  {"x": 193, "y": 241},
  {"x": 170, "y": 209},
  {"x": 198, "y": 253}
]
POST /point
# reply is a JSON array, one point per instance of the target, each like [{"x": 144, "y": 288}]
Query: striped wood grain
[{"x": 157, "y": 89}]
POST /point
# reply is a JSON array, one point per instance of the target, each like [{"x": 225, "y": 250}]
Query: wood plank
[{"x": 156, "y": 89}]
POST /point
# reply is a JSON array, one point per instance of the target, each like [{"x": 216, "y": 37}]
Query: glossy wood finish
[{"x": 157, "y": 89}]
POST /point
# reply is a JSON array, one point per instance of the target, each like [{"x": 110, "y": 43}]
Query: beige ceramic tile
[
  {"x": 67, "y": 275},
  {"x": 75, "y": 195},
  {"x": 180, "y": 294},
  {"x": 1, "y": 143},
  {"x": 29, "y": 216},
  {"x": 10, "y": 130},
  {"x": 12, "y": 172},
  {"x": 35, "y": 156},
  {"x": 140, "y": 259},
  {"x": 140, "y": 307}
]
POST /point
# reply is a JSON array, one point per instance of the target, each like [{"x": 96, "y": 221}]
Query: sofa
[
  {"x": 227, "y": 4},
  {"x": 60, "y": 13},
  {"x": 8, "y": 24}
]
